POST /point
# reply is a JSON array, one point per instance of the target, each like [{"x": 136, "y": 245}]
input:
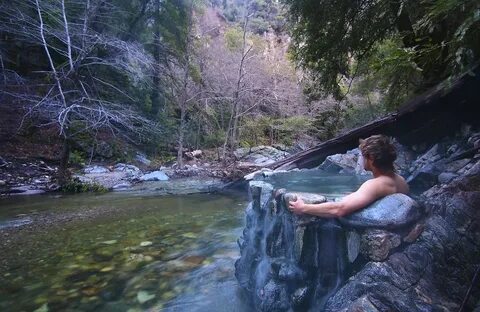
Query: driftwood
[{"x": 437, "y": 113}]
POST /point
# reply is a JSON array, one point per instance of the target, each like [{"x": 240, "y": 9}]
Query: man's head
[{"x": 378, "y": 152}]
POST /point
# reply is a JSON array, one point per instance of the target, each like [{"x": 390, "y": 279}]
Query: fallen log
[{"x": 437, "y": 113}]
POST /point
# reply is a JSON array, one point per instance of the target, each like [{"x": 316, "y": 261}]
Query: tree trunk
[
  {"x": 63, "y": 174},
  {"x": 180, "y": 137},
  {"x": 155, "y": 97}
]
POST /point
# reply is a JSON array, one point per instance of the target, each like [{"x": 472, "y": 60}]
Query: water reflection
[
  {"x": 140, "y": 253},
  {"x": 150, "y": 253}
]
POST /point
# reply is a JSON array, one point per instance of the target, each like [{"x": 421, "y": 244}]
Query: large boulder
[
  {"x": 131, "y": 171},
  {"x": 154, "y": 176},
  {"x": 350, "y": 162},
  {"x": 260, "y": 156},
  {"x": 435, "y": 272},
  {"x": 390, "y": 212}
]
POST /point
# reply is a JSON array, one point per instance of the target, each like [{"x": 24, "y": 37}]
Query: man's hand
[{"x": 296, "y": 206}]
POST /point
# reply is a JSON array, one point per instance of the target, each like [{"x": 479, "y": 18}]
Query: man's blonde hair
[{"x": 380, "y": 150}]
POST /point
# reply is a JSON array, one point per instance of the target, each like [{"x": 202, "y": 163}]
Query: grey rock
[
  {"x": 345, "y": 162},
  {"x": 290, "y": 272},
  {"x": 362, "y": 304},
  {"x": 376, "y": 244},
  {"x": 414, "y": 233},
  {"x": 274, "y": 297},
  {"x": 425, "y": 177},
  {"x": 95, "y": 169},
  {"x": 257, "y": 173},
  {"x": 122, "y": 186},
  {"x": 330, "y": 167},
  {"x": 26, "y": 190},
  {"x": 434, "y": 272},
  {"x": 125, "y": 168},
  {"x": 353, "y": 245},
  {"x": 2, "y": 183},
  {"x": 308, "y": 198},
  {"x": 474, "y": 140},
  {"x": 446, "y": 177},
  {"x": 260, "y": 155},
  {"x": 300, "y": 297},
  {"x": 154, "y": 176},
  {"x": 392, "y": 211},
  {"x": 474, "y": 170},
  {"x": 260, "y": 192},
  {"x": 456, "y": 165},
  {"x": 360, "y": 168},
  {"x": 142, "y": 158}
]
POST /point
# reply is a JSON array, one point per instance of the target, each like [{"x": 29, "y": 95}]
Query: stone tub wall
[
  {"x": 436, "y": 271},
  {"x": 297, "y": 262},
  {"x": 426, "y": 264}
]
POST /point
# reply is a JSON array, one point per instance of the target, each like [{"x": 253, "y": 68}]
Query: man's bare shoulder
[
  {"x": 373, "y": 186},
  {"x": 385, "y": 184}
]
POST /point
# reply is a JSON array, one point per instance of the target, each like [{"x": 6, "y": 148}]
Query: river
[{"x": 131, "y": 251}]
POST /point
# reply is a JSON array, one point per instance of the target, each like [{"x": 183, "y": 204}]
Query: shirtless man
[{"x": 378, "y": 154}]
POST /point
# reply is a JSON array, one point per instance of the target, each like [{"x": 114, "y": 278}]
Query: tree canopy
[{"x": 414, "y": 43}]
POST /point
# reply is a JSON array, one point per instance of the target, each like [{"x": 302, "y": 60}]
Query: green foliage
[
  {"x": 76, "y": 158},
  {"x": 234, "y": 38},
  {"x": 265, "y": 130},
  {"x": 77, "y": 186},
  {"x": 259, "y": 25},
  {"x": 389, "y": 68},
  {"x": 214, "y": 139},
  {"x": 328, "y": 123},
  {"x": 422, "y": 42},
  {"x": 359, "y": 115},
  {"x": 195, "y": 73}
]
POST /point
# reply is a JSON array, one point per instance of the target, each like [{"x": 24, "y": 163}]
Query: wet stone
[
  {"x": 362, "y": 304},
  {"x": 308, "y": 198},
  {"x": 376, "y": 244},
  {"x": 390, "y": 212},
  {"x": 353, "y": 245},
  {"x": 299, "y": 297},
  {"x": 103, "y": 255}
]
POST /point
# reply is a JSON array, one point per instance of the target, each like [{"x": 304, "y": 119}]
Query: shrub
[{"x": 77, "y": 186}]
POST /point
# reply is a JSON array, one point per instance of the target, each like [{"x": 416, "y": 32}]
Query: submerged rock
[
  {"x": 144, "y": 296},
  {"x": 393, "y": 211}
]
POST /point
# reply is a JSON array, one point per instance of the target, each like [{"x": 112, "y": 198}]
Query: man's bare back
[{"x": 385, "y": 182}]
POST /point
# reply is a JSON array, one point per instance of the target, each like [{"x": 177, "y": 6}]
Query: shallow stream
[{"x": 131, "y": 251}]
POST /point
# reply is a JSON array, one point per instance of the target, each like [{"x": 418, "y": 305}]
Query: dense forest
[{"x": 176, "y": 75}]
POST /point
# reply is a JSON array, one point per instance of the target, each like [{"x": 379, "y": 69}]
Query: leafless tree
[
  {"x": 257, "y": 85},
  {"x": 75, "y": 100}
]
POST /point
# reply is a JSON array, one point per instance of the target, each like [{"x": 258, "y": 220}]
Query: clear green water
[{"x": 143, "y": 253}]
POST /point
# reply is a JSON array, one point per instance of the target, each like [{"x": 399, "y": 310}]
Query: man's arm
[{"x": 365, "y": 195}]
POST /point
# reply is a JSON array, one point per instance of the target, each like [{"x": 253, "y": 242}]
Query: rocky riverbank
[
  {"x": 198, "y": 175},
  {"x": 397, "y": 255}
]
